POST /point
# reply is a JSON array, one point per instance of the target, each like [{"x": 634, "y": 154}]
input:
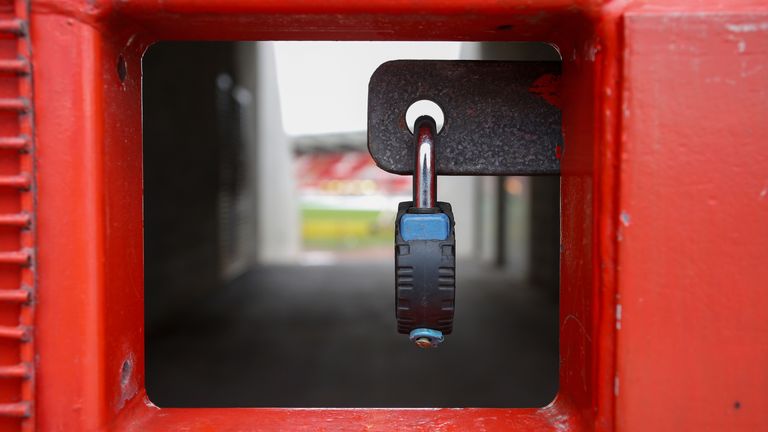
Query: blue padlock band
[
  {"x": 435, "y": 336},
  {"x": 431, "y": 226}
]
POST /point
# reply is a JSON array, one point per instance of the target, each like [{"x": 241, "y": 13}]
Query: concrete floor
[{"x": 324, "y": 336}]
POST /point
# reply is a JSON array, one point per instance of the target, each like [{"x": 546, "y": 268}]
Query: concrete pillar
[
  {"x": 461, "y": 193},
  {"x": 278, "y": 234}
]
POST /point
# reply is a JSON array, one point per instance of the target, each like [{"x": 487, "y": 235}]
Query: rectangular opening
[{"x": 268, "y": 230}]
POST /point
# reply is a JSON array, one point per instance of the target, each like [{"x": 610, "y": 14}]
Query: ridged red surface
[{"x": 17, "y": 222}]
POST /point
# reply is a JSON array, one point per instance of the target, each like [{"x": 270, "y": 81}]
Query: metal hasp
[{"x": 501, "y": 117}]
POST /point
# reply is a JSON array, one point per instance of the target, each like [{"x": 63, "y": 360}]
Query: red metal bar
[
  {"x": 146, "y": 417},
  {"x": 28, "y": 277},
  {"x": 19, "y": 409},
  {"x": 17, "y": 219},
  {"x": 18, "y": 202},
  {"x": 21, "y": 181},
  {"x": 16, "y": 296},
  {"x": 14, "y": 66},
  {"x": 693, "y": 237},
  {"x": 20, "y": 257},
  {"x": 15, "y": 26},
  {"x": 19, "y": 333},
  {"x": 14, "y": 143},
  {"x": 13, "y": 104},
  {"x": 15, "y": 371},
  {"x": 70, "y": 273}
]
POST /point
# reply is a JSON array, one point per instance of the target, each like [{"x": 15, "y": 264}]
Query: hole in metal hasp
[{"x": 424, "y": 107}]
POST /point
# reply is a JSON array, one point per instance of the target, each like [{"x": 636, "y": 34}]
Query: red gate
[{"x": 664, "y": 207}]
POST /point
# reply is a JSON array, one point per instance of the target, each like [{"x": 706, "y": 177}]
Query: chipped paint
[
  {"x": 717, "y": 79},
  {"x": 747, "y": 27},
  {"x": 558, "y": 420},
  {"x": 148, "y": 403},
  {"x": 749, "y": 72},
  {"x": 616, "y": 385},
  {"x": 590, "y": 52},
  {"x": 618, "y": 316},
  {"x": 129, "y": 386},
  {"x": 625, "y": 219}
]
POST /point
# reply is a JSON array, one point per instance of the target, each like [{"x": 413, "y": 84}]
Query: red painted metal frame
[
  {"x": 663, "y": 210},
  {"x": 17, "y": 221}
]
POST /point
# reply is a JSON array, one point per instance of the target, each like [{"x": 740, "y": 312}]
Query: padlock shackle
[{"x": 425, "y": 171}]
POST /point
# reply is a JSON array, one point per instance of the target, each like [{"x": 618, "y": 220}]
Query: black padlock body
[{"x": 425, "y": 278}]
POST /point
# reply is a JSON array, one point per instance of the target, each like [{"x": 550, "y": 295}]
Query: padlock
[{"x": 425, "y": 250}]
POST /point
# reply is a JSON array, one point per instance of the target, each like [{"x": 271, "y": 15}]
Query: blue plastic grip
[{"x": 430, "y": 226}]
